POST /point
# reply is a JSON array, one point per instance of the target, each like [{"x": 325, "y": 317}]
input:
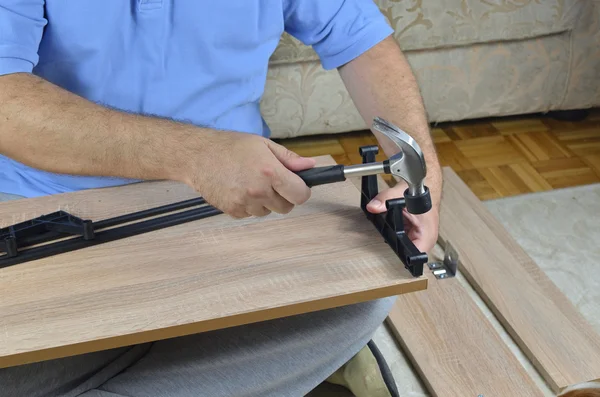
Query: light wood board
[
  {"x": 454, "y": 348},
  {"x": 204, "y": 275},
  {"x": 563, "y": 347}
]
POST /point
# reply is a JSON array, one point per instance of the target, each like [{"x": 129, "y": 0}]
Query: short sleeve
[
  {"x": 338, "y": 30},
  {"x": 21, "y": 26}
]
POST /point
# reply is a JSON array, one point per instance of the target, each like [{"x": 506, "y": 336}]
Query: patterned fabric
[
  {"x": 465, "y": 82},
  {"x": 423, "y": 24},
  {"x": 491, "y": 78},
  {"x": 583, "y": 88}
]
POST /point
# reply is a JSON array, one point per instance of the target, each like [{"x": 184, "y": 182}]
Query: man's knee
[{"x": 374, "y": 311}]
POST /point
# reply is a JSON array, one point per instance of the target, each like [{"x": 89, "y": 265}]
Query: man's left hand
[{"x": 421, "y": 229}]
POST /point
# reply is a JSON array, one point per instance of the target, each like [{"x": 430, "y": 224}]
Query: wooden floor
[{"x": 496, "y": 157}]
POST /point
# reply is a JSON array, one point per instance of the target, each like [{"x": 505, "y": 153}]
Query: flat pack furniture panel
[
  {"x": 563, "y": 347},
  {"x": 454, "y": 348},
  {"x": 203, "y": 275}
]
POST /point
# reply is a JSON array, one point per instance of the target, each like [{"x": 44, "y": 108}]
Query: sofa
[{"x": 472, "y": 59}]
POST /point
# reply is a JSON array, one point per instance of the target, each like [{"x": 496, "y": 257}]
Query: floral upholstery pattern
[
  {"x": 583, "y": 89},
  {"x": 464, "y": 82},
  {"x": 478, "y": 58},
  {"x": 420, "y": 24}
]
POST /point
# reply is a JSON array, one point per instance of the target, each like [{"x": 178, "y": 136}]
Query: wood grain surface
[
  {"x": 547, "y": 327},
  {"x": 204, "y": 275},
  {"x": 454, "y": 348}
]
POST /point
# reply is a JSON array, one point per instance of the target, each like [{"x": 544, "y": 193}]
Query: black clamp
[
  {"x": 42, "y": 229},
  {"x": 61, "y": 232},
  {"x": 390, "y": 224}
]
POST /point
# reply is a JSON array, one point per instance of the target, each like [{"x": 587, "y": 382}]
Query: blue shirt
[{"x": 203, "y": 62}]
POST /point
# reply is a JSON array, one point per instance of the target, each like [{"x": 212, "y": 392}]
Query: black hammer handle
[{"x": 322, "y": 175}]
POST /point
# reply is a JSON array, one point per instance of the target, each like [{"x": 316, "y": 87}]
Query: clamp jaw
[{"x": 409, "y": 165}]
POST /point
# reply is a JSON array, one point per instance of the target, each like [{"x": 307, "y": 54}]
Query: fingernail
[{"x": 376, "y": 203}]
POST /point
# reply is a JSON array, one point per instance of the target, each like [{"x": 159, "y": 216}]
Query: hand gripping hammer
[{"x": 408, "y": 164}]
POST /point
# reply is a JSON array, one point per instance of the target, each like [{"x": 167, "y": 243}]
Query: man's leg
[
  {"x": 67, "y": 377},
  {"x": 283, "y": 357}
]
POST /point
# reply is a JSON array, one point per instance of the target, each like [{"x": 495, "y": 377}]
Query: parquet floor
[{"x": 497, "y": 157}]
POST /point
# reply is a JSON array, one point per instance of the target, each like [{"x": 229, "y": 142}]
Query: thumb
[
  {"x": 377, "y": 205},
  {"x": 289, "y": 159}
]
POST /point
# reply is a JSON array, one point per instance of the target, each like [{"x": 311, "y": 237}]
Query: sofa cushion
[{"x": 421, "y": 25}]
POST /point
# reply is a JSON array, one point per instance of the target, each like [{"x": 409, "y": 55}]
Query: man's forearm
[
  {"x": 381, "y": 83},
  {"x": 46, "y": 127}
]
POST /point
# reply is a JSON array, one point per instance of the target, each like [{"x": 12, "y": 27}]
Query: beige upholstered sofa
[{"x": 472, "y": 58}]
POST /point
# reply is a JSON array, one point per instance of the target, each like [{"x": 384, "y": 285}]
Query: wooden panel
[
  {"x": 530, "y": 177},
  {"x": 504, "y": 180},
  {"x": 575, "y": 133},
  {"x": 586, "y": 147},
  {"x": 466, "y": 131},
  {"x": 480, "y": 186},
  {"x": 439, "y": 135},
  {"x": 449, "y": 155},
  {"x": 454, "y": 348},
  {"x": 538, "y": 146},
  {"x": 490, "y": 151},
  {"x": 203, "y": 275},
  {"x": 567, "y": 172},
  {"x": 594, "y": 163},
  {"x": 546, "y": 326},
  {"x": 519, "y": 125}
]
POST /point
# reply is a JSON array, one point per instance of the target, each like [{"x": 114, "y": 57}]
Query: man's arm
[
  {"x": 49, "y": 128},
  {"x": 381, "y": 83}
]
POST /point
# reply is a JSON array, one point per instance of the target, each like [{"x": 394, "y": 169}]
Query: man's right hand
[
  {"x": 48, "y": 128},
  {"x": 246, "y": 175}
]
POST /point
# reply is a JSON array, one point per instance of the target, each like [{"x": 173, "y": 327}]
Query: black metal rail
[
  {"x": 17, "y": 239},
  {"x": 149, "y": 212}
]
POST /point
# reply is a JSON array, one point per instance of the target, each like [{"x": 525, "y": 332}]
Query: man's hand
[
  {"x": 422, "y": 229},
  {"x": 381, "y": 83},
  {"x": 49, "y": 128},
  {"x": 246, "y": 175}
]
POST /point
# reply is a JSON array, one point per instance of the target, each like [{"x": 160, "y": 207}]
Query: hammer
[{"x": 408, "y": 164}]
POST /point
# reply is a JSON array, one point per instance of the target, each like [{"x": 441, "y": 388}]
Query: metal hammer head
[{"x": 408, "y": 164}]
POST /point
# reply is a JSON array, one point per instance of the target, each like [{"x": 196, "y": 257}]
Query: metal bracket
[{"x": 447, "y": 268}]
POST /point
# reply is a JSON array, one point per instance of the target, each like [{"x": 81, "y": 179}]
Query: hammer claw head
[{"x": 409, "y": 163}]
